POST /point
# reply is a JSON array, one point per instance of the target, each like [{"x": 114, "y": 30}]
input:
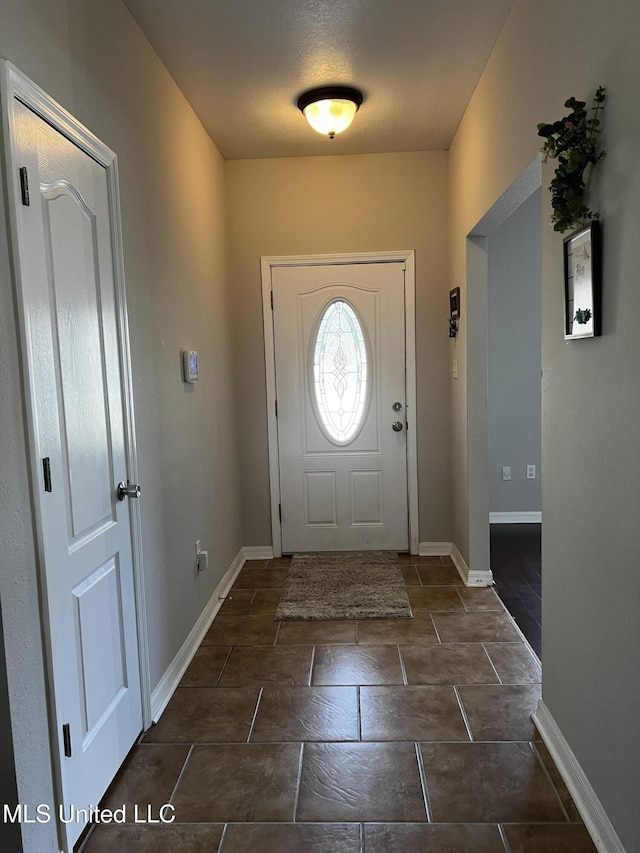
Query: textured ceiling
[{"x": 243, "y": 63}]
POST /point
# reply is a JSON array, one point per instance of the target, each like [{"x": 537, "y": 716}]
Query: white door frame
[
  {"x": 17, "y": 87},
  {"x": 408, "y": 258}
]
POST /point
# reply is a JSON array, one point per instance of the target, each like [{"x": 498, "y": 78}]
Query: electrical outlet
[
  {"x": 506, "y": 472},
  {"x": 531, "y": 472}
]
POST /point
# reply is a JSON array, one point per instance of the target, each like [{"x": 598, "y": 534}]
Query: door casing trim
[
  {"x": 268, "y": 263},
  {"x": 17, "y": 87}
]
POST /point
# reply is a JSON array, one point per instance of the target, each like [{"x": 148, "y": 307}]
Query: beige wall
[
  {"x": 547, "y": 52},
  {"x": 318, "y": 205},
  {"x": 90, "y": 56}
]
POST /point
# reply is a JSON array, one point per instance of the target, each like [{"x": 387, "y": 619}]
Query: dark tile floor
[
  {"x": 515, "y": 563},
  {"x": 375, "y": 736}
]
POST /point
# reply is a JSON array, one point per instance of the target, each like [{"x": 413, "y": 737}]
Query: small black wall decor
[{"x": 454, "y": 311}]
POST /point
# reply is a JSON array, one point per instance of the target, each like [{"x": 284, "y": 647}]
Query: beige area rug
[{"x": 344, "y": 585}]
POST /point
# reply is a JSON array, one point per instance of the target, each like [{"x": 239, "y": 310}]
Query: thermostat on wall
[{"x": 190, "y": 365}]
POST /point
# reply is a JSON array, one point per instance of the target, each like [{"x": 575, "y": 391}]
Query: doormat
[{"x": 344, "y": 585}]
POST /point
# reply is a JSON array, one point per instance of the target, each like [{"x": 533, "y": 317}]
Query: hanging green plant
[{"x": 573, "y": 141}]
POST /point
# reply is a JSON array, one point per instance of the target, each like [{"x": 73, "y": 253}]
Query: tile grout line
[
  {"x": 423, "y": 782},
  {"x": 464, "y": 714},
  {"x": 486, "y": 651},
  {"x": 405, "y": 680},
  {"x": 359, "y": 712},
  {"x": 464, "y": 606},
  {"x": 255, "y": 714},
  {"x": 538, "y": 756},
  {"x": 222, "y": 837},
  {"x": 503, "y": 838},
  {"x": 299, "y": 783},
  {"x": 433, "y": 622},
  {"x": 226, "y": 661},
  {"x": 275, "y": 639},
  {"x": 311, "y": 667},
  {"x": 181, "y": 774},
  {"x": 361, "y": 830}
]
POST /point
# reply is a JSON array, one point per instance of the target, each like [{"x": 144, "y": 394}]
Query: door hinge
[
  {"x": 272, "y": 300},
  {"x": 280, "y": 511},
  {"x": 46, "y": 470},
  {"x": 276, "y": 402},
  {"x": 66, "y": 737},
  {"x": 24, "y": 186}
]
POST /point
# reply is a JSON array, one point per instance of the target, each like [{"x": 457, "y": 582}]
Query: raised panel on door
[
  {"x": 362, "y": 307},
  {"x": 80, "y": 358},
  {"x": 98, "y": 624},
  {"x": 366, "y": 498},
  {"x": 320, "y": 498}
]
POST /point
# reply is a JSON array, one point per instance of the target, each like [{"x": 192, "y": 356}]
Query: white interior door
[
  {"x": 74, "y": 366},
  {"x": 339, "y": 337}
]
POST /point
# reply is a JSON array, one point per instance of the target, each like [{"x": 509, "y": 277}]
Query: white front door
[
  {"x": 65, "y": 227},
  {"x": 339, "y": 335}
]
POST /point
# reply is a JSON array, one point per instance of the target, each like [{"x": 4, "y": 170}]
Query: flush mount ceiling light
[{"x": 331, "y": 109}]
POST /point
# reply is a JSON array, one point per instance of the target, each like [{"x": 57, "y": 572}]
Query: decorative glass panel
[{"x": 340, "y": 371}]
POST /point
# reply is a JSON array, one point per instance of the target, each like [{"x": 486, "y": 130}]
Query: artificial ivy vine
[{"x": 573, "y": 141}]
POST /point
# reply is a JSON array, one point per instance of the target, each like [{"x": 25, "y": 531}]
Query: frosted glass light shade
[
  {"x": 330, "y": 110},
  {"x": 330, "y": 117}
]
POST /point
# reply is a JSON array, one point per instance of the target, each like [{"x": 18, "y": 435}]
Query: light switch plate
[{"x": 190, "y": 366}]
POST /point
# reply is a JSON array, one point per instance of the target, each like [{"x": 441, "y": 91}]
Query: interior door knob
[
  {"x": 128, "y": 490},
  {"x": 396, "y": 426}
]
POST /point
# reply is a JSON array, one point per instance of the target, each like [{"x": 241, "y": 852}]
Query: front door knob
[{"x": 396, "y": 426}]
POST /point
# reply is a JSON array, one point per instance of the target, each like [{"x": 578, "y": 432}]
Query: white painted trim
[
  {"x": 411, "y": 383},
  {"x": 272, "y": 421},
  {"x": 267, "y": 264},
  {"x": 470, "y": 577},
  {"x": 591, "y": 809},
  {"x": 515, "y": 518},
  {"x": 178, "y": 666},
  {"x": 435, "y": 549},
  {"x": 258, "y": 552}
]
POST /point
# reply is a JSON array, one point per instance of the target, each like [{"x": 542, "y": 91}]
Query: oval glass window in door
[{"x": 340, "y": 372}]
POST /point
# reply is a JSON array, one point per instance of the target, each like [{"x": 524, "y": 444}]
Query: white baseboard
[
  {"x": 515, "y": 518},
  {"x": 258, "y": 552},
  {"x": 591, "y": 809},
  {"x": 448, "y": 549},
  {"x": 469, "y": 576},
  {"x": 434, "y": 549},
  {"x": 177, "y": 668}
]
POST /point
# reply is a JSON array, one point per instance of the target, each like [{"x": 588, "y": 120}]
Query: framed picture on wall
[
  {"x": 454, "y": 303},
  {"x": 582, "y": 283}
]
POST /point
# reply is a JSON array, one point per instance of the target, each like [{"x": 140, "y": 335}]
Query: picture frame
[
  {"x": 582, "y": 282},
  {"x": 454, "y": 303}
]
